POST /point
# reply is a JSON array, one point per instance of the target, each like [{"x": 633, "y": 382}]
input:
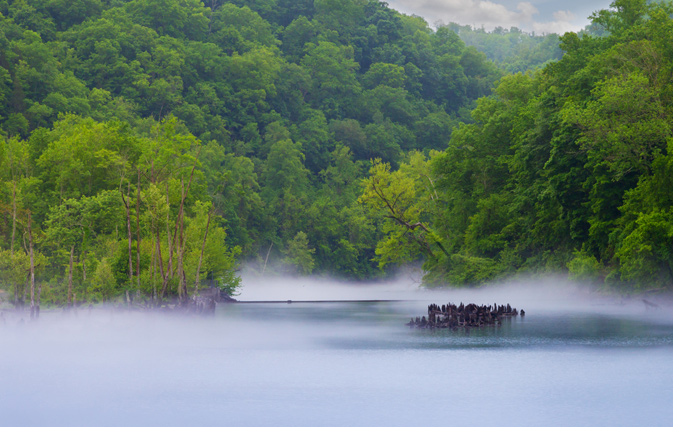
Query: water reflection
[{"x": 378, "y": 325}]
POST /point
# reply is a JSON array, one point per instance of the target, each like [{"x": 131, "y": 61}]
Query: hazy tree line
[
  {"x": 150, "y": 145},
  {"x": 563, "y": 170},
  {"x": 514, "y": 50}
]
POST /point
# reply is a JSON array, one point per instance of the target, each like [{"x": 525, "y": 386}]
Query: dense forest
[
  {"x": 151, "y": 147},
  {"x": 563, "y": 170}
]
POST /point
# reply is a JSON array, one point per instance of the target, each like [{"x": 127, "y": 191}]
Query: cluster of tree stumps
[{"x": 472, "y": 315}]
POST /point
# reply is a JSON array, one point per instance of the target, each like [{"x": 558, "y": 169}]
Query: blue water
[{"x": 335, "y": 364}]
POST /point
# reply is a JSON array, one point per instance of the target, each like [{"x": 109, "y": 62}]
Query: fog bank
[
  {"x": 336, "y": 364},
  {"x": 549, "y": 293}
]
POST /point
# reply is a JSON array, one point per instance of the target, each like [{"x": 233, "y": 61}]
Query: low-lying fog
[
  {"x": 533, "y": 294},
  {"x": 578, "y": 356}
]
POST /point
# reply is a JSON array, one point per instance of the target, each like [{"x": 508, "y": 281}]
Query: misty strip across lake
[{"x": 574, "y": 358}]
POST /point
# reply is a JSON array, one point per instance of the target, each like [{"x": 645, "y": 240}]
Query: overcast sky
[{"x": 541, "y": 16}]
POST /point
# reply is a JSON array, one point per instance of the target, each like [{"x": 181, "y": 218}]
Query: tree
[
  {"x": 403, "y": 197},
  {"x": 21, "y": 184},
  {"x": 379, "y": 73},
  {"x": 295, "y": 37},
  {"x": 103, "y": 283},
  {"x": 75, "y": 222},
  {"x": 645, "y": 254},
  {"x": 286, "y": 186},
  {"x": 332, "y": 70},
  {"x": 313, "y": 135},
  {"x": 299, "y": 254},
  {"x": 622, "y": 16},
  {"x": 239, "y": 29}
]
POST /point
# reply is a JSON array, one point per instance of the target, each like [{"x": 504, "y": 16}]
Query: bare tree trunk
[
  {"x": 82, "y": 258},
  {"x": 169, "y": 269},
  {"x": 39, "y": 297},
  {"x": 159, "y": 257},
  {"x": 267, "y": 258},
  {"x": 23, "y": 292},
  {"x": 180, "y": 219},
  {"x": 154, "y": 274},
  {"x": 72, "y": 254},
  {"x": 32, "y": 265},
  {"x": 130, "y": 239},
  {"x": 138, "y": 235},
  {"x": 154, "y": 255},
  {"x": 181, "y": 276},
  {"x": 178, "y": 227},
  {"x": 16, "y": 294},
  {"x": 181, "y": 249},
  {"x": 203, "y": 248},
  {"x": 185, "y": 193},
  {"x": 11, "y": 247}
]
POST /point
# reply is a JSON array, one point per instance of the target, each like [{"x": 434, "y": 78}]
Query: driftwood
[{"x": 471, "y": 315}]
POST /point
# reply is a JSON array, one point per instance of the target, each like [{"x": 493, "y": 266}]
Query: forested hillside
[
  {"x": 567, "y": 169},
  {"x": 514, "y": 50},
  {"x": 149, "y": 145}
]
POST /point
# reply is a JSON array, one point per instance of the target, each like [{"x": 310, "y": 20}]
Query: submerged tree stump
[{"x": 471, "y": 315}]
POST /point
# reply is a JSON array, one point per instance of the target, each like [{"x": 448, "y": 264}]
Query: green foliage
[
  {"x": 584, "y": 267},
  {"x": 405, "y": 198},
  {"x": 332, "y": 71},
  {"x": 390, "y": 75},
  {"x": 300, "y": 254},
  {"x": 148, "y": 118},
  {"x": 89, "y": 191},
  {"x": 645, "y": 254},
  {"x": 103, "y": 284},
  {"x": 219, "y": 260},
  {"x": 512, "y": 50},
  {"x": 567, "y": 169},
  {"x": 471, "y": 270}
]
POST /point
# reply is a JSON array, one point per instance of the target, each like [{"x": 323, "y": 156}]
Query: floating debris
[{"x": 471, "y": 315}]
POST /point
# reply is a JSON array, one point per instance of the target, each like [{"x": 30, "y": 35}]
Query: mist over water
[
  {"x": 577, "y": 357},
  {"x": 547, "y": 294}
]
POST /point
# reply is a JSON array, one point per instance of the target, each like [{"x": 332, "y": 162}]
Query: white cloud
[
  {"x": 558, "y": 27},
  {"x": 527, "y": 10},
  {"x": 490, "y": 14},
  {"x": 562, "y": 23},
  {"x": 564, "y": 15},
  {"x": 475, "y": 12}
]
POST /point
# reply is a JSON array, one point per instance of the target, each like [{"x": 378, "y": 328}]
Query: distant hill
[{"x": 513, "y": 50}]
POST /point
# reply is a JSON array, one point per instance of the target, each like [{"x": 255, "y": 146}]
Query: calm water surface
[{"x": 336, "y": 364}]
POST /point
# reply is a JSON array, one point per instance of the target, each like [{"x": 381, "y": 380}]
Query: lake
[{"x": 571, "y": 360}]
